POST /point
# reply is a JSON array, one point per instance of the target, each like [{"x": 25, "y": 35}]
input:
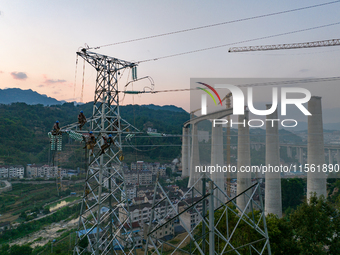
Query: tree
[
  {"x": 316, "y": 227},
  {"x": 16, "y": 250},
  {"x": 168, "y": 171},
  {"x": 244, "y": 233},
  {"x": 292, "y": 192},
  {"x": 333, "y": 188},
  {"x": 183, "y": 183},
  {"x": 23, "y": 215},
  {"x": 84, "y": 242},
  {"x": 4, "y": 249},
  {"x": 281, "y": 236},
  {"x": 19, "y": 250}
]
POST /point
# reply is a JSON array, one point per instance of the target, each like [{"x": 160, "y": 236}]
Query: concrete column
[
  {"x": 243, "y": 159},
  {"x": 316, "y": 182},
  {"x": 301, "y": 156},
  {"x": 330, "y": 157},
  {"x": 195, "y": 160},
  {"x": 273, "y": 201},
  {"x": 217, "y": 160},
  {"x": 185, "y": 152},
  {"x": 297, "y": 154},
  {"x": 338, "y": 156},
  {"x": 289, "y": 151}
]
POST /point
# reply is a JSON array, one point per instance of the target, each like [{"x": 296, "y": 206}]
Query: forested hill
[{"x": 24, "y": 128}]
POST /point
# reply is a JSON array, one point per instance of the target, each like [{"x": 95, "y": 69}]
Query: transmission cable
[
  {"x": 244, "y": 41},
  {"x": 309, "y": 80},
  {"x": 215, "y": 25}
]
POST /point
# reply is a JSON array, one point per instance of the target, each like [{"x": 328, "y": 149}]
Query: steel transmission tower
[
  {"x": 229, "y": 229},
  {"x": 103, "y": 220}
]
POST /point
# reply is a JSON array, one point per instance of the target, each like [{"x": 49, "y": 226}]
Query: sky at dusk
[{"x": 39, "y": 40}]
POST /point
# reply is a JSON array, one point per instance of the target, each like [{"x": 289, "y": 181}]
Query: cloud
[
  {"x": 304, "y": 70},
  {"x": 50, "y": 81},
  {"x": 19, "y": 75}
]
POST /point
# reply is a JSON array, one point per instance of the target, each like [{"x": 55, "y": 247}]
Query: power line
[
  {"x": 244, "y": 41},
  {"x": 325, "y": 79},
  {"x": 216, "y": 24}
]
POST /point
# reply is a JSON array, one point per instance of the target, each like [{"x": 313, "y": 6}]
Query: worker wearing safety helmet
[
  {"x": 56, "y": 127},
  {"x": 91, "y": 142},
  {"x": 107, "y": 142},
  {"x": 81, "y": 119}
]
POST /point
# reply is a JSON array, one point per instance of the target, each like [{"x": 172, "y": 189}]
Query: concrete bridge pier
[
  {"x": 289, "y": 152},
  {"x": 316, "y": 182},
  {"x": 243, "y": 159},
  {"x": 330, "y": 157},
  {"x": 273, "y": 201},
  {"x": 195, "y": 160},
  {"x": 301, "y": 156},
  {"x": 217, "y": 160},
  {"x": 185, "y": 152}
]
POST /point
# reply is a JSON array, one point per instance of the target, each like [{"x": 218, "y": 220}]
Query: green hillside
[{"x": 24, "y": 131}]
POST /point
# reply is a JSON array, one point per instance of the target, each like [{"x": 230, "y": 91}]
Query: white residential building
[
  {"x": 44, "y": 171},
  {"x": 16, "y": 171},
  {"x": 3, "y": 172},
  {"x": 142, "y": 212}
]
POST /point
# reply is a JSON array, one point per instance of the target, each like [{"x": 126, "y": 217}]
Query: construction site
[
  {"x": 222, "y": 194},
  {"x": 107, "y": 222}
]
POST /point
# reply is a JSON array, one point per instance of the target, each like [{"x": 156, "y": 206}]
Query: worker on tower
[
  {"x": 91, "y": 142},
  {"x": 81, "y": 119},
  {"x": 107, "y": 142},
  {"x": 56, "y": 128}
]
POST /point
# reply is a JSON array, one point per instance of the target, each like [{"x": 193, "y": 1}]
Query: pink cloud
[{"x": 49, "y": 82}]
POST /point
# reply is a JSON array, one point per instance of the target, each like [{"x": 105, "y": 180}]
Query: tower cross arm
[{"x": 99, "y": 61}]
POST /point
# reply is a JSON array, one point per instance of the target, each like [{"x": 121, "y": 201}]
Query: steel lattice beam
[{"x": 324, "y": 43}]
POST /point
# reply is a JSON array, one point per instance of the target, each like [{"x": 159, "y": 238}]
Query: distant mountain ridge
[
  {"x": 30, "y": 97},
  {"x": 170, "y": 108}
]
